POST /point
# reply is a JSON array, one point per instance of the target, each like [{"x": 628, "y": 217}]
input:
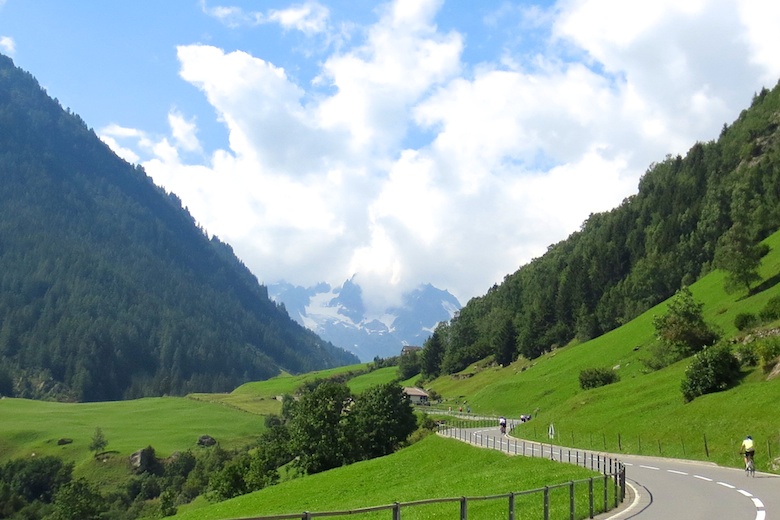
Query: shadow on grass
[{"x": 765, "y": 285}]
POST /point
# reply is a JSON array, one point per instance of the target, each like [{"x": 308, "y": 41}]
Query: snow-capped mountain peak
[{"x": 339, "y": 315}]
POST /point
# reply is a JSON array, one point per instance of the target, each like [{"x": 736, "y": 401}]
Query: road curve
[{"x": 663, "y": 489}]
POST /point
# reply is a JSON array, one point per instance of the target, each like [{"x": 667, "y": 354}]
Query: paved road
[{"x": 663, "y": 489}]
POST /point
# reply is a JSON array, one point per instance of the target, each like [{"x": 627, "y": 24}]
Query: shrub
[
  {"x": 771, "y": 310},
  {"x": 768, "y": 350},
  {"x": 745, "y": 320},
  {"x": 713, "y": 369},
  {"x": 747, "y": 355},
  {"x": 596, "y": 377},
  {"x": 683, "y": 327}
]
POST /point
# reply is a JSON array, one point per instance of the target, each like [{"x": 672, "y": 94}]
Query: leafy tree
[
  {"x": 713, "y": 369},
  {"x": 317, "y": 432},
  {"x": 380, "y": 421},
  {"x": 740, "y": 257},
  {"x": 683, "y": 328},
  {"x": 38, "y": 478},
  {"x": 78, "y": 500},
  {"x": 99, "y": 442}
]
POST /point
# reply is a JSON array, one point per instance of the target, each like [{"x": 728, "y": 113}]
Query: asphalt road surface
[{"x": 664, "y": 489}]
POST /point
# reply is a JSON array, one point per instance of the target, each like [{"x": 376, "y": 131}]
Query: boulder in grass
[{"x": 206, "y": 441}]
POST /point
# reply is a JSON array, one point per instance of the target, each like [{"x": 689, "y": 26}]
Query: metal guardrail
[{"x": 613, "y": 477}]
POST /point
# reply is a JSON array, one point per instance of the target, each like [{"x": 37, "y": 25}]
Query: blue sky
[{"x": 401, "y": 142}]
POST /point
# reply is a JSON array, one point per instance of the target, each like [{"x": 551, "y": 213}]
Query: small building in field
[
  {"x": 416, "y": 395},
  {"x": 408, "y": 349}
]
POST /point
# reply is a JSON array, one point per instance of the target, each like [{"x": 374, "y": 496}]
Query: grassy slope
[
  {"x": 434, "y": 467},
  {"x": 643, "y": 408},
  {"x": 32, "y": 428}
]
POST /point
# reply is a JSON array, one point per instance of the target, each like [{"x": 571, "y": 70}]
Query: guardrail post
[
  {"x": 306, "y": 515},
  {"x": 606, "y": 489},
  {"x": 396, "y": 511},
  {"x": 571, "y": 500},
  {"x": 463, "y": 508},
  {"x": 511, "y": 506},
  {"x": 617, "y": 491},
  {"x": 590, "y": 496},
  {"x": 546, "y": 503}
]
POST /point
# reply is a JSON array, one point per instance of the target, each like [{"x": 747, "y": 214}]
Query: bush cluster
[
  {"x": 713, "y": 369},
  {"x": 596, "y": 377}
]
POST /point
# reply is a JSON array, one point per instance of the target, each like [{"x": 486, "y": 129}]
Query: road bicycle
[{"x": 750, "y": 467}]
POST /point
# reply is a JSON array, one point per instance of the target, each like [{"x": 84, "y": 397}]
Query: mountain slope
[
  {"x": 339, "y": 315},
  {"x": 623, "y": 262},
  {"x": 109, "y": 289}
]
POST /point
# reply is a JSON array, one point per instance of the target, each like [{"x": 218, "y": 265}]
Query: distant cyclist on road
[
  {"x": 748, "y": 449},
  {"x": 502, "y": 425}
]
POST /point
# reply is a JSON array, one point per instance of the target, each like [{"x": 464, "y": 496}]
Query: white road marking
[
  {"x": 676, "y": 472},
  {"x": 760, "y": 515},
  {"x": 634, "y": 504},
  {"x": 727, "y": 485},
  {"x": 702, "y": 478},
  {"x": 648, "y": 467},
  {"x": 747, "y": 494},
  {"x": 757, "y": 502}
]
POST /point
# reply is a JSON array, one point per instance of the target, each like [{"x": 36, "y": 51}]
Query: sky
[{"x": 401, "y": 142}]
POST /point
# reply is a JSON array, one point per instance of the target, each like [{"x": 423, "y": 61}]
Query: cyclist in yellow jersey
[{"x": 747, "y": 448}]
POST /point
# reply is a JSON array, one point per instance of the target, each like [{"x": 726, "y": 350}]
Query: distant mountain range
[{"x": 338, "y": 315}]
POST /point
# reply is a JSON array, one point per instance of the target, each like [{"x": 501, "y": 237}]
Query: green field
[
  {"x": 168, "y": 424},
  {"x": 435, "y": 467}
]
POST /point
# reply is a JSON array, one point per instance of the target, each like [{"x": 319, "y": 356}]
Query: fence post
[
  {"x": 617, "y": 494},
  {"x": 706, "y": 448},
  {"x": 463, "y": 509},
  {"x": 306, "y": 515},
  {"x": 606, "y": 488},
  {"x": 546, "y": 503},
  {"x": 396, "y": 511},
  {"x": 571, "y": 500},
  {"x": 511, "y": 506},
  {"x": 590, "y": 496}
]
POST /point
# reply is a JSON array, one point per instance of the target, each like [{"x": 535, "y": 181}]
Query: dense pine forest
[
  {"x": 690, "y": 214},
  {"x": 108, "y": 287}
]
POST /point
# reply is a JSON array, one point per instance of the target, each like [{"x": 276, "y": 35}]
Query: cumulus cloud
[
  {"x": 7, "y": 44},
  {"x": 402, "y": 163},
  {"x": 309, "y": 18}
]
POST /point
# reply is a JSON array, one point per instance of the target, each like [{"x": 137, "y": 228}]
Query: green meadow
[{"x": 435, "y": 467}]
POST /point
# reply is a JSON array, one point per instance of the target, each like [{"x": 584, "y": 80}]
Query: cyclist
[
  {"x": 502, "y": 424},
  {"x": 748, "y": 449}
]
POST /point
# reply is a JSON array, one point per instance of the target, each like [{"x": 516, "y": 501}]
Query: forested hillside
[
  {"x": 108, "y": 287},
  {"x": 721, "y": 196}
]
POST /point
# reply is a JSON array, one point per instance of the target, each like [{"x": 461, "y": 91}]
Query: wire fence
[{"x": 573, "y": 500}]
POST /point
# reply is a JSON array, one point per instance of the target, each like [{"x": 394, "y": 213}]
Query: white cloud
[
  {"x": 7, "y": 44},
  {"x": 184, "y": 132},
  {"x": 309, "y": 18},
  {"x": 323, "y": 181}
]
